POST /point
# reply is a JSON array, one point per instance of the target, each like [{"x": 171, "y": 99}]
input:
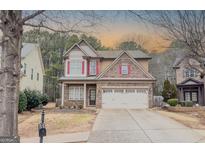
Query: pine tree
[{"x": 169, "y": 90}]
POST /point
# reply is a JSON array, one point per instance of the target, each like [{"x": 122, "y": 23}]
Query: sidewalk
[{"x": 60, "y": 138}]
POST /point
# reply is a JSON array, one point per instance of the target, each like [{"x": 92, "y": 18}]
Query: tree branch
[
  {"x": 52, "y": 29},
  {"x": 32, "y": 16}
]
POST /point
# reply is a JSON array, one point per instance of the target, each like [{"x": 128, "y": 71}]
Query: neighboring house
[
  {"x": 106, "y": 79},
  {"x": 32, "y": 67},
  {"x": 190, "y": 86}
]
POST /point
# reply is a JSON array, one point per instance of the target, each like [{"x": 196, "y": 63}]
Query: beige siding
[{"x": 32, "y": 60}]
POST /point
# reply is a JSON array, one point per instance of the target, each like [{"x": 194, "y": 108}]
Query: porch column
[
  {"x": 62, "y": 95},
  {"x": 199, "y": 95},
  {"x": 84, "y": 103}
]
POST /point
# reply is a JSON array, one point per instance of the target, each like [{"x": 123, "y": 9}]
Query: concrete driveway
[{"x": 139, "y": 126}]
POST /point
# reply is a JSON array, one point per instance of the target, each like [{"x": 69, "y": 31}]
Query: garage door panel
[{"x": 125, "y": 98}]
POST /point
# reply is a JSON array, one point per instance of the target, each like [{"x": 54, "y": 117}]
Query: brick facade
[{"x": 135, "y": 71}]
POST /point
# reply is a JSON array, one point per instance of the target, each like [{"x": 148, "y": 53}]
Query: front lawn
[
  {"x": 57, "y": 121},
  {"x": 195, "y": 119}
]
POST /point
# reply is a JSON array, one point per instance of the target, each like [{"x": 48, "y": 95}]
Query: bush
[
  {"x": 172, "y": 102},
  {"x": 44, "y": 99},
  {"x": 169, "y": 90},
  {"x": 33, "y": 99},
  {"x": 189, "y": 103},
  {"x": 22, "y": 102}
]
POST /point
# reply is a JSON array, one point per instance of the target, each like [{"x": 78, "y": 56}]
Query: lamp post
[{"x": 41, "y": 127}]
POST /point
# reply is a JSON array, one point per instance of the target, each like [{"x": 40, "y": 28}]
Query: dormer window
[
  {"x": 190, "y": 73},
  {"x": 93, "y": 67}
]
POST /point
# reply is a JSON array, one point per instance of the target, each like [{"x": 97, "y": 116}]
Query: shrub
[
  {"x": 182, "y": 103},
  {"x": 169, "y": 90},
  {"x": 172, "y": 102},
  {"x": 33, "y": 99},
  {"x": 44, "y": 99},
  {"x": 22, "y": 102},
  {"x": 189, "y": 103}
]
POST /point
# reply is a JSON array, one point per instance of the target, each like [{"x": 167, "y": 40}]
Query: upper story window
[
  {"x": 32, "y": 74},
  {"x": 24, "y": 68},
  {"x": 37, "y": 76},
  {"x": 124, "y": 69},
  {"x": 75, "y": 67},
  {"x": 92, "y": 67},
  {"x": 190, "y": 73}
]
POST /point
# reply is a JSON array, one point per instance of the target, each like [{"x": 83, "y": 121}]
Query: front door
[
  {"x": 191, "y": 96},
  {"x": 92, "y": 97}
]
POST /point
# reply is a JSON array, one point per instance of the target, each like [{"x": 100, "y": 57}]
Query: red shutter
[
  {"x": 97, "y": 67},
  {"x": 83, "y": 67},
  {"x": 120, "y": 69},
  {"x": 68, "y": 67},
  {"x": 88, "y": 69},
  {"x": 129, "y": 69}
]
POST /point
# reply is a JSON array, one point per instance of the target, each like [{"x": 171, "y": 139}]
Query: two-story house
[
  {"x": 190, "y": 86},
  {"x": 106, "y": 79},
  {"x": 32, "y": 68}
]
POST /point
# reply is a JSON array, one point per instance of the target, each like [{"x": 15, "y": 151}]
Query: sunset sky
[
  {"x": 119, "y": 26},
  {"x": 113, "y": 27}
]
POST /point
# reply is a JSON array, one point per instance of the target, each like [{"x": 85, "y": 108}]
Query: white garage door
[{"x": 135, "y": 98}]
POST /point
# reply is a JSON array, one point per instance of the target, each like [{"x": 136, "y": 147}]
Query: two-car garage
[{"x": 130, "y": 98}]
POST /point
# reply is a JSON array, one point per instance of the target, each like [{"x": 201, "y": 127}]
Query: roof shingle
[{"x": 114, "y": 54}]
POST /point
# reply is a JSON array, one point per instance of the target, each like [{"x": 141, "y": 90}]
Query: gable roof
[
  {"x": 137, "y": 54},
  {"x": 86, "y": 48},
  {"x": 132, "y": 59},
  {"x": 74, "y": 45},
  {"x": 190, "y": 79}
]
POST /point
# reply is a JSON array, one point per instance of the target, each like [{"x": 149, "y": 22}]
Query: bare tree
[
  {"x": 139, "y": 39},
  {"x": 186, "y": 27},
  {"x": 12, "y": 25}
]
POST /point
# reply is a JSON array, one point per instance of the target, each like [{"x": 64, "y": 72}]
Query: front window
[
  {"x": 124, "y": 69},
  {"x": 93, "y": 67},
  {"x": 190, "y": 73},
  {"x": 76, "y": 93},
  {"x": 76, "y": 67}
]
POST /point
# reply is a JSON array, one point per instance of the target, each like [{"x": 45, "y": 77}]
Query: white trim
[
  {"x": 75, "y": 75},
  {"x": 69, "y": 50},
  {"x": 84, "y": 101}
]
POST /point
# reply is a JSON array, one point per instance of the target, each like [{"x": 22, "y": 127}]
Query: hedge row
[
  {"x": 174, "y": 102},
  {"x": 29, "y": 99}
]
